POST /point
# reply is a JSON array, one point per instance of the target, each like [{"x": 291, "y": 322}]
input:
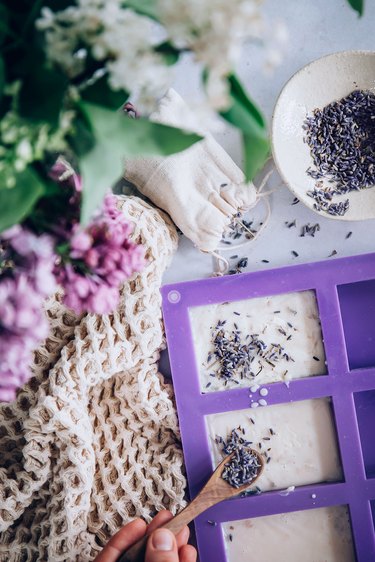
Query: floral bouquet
[{"x": 67, "y": 67}]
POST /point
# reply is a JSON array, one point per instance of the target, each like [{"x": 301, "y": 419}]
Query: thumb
[{"x": 161, "y": 547}]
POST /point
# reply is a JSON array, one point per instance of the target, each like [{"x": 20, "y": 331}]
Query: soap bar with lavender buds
[
  {"x": 298, "y": 438},
  {"x": 258, "y": 341}
]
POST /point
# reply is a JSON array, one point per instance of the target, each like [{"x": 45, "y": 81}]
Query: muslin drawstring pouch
[{"x": 201, "y": 188}]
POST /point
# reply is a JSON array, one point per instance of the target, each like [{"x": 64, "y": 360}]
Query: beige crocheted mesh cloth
[{"x": 92, "y": 440}]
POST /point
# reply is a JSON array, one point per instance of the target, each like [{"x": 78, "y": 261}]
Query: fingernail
[{"x": 162, "y": 540}]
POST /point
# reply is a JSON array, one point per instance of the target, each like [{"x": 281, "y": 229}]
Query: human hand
[{"x": 162, "y": 546}]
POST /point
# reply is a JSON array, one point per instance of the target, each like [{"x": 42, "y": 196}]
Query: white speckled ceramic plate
[{"x": 314, "y": 86}]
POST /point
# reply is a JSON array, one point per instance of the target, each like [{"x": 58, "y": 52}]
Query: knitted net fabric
[{"x": 92, "y": 440}]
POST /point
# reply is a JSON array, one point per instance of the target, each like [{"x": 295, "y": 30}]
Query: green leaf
[
  {"x": 239, "y": 94},
  {"x": 143, "y": 7},
  {"x": 357, "y": 5},
  {"x": 101, "y": 94},
  {"x": 169, "y": 52},
  {"x": 81, "y": 139},
  {"x": 16, "y": 203},
  {"x": 4, "y": 23},
  {"x": 256, "y": 152},
  {"x": 32, "y": 15},
  {"x": 117, "y": 136},
  {"x": 58, "y": 5},
  {"x": 245, "y": 115},
  {"x": 2, "y": 76},
  {"x": 42, "y": 93}
]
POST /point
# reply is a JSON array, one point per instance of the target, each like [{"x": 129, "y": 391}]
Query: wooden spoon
[{"x": 215, "y": 491}]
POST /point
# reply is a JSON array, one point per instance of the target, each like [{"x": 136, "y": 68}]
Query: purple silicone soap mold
[
  {"x": 342, "y": 287},
  {"x": 365, "y": 408},
  {"x": 357, "y": 305}
]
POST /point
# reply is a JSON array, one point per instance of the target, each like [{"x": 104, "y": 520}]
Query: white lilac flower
[
  {"x": 215, "y": 31},
  {"x": 24, "y": 150},
  {"x": 122, "y": 39},
  {"x": 125, "y": 42}
]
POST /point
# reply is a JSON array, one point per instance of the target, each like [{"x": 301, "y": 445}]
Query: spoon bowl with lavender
[
  {"x": 323, "y": 135},
  {"x": 236, "y": 473}
]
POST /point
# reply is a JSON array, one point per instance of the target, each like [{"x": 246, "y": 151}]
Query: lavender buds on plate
[{"x": 341, "y": 137}]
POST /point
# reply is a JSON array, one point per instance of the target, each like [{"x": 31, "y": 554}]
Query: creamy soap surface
[
  {"x": 291, "y": 320},
  {"x": 303, "y": 450},
  {"x": 314, "y": 535}
]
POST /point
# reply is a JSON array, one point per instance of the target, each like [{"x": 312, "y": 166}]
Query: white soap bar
[
  {"x": 314, "y": 535},
  {"x": 290, "y": 320},
  {"x": 303, "y": 450}
]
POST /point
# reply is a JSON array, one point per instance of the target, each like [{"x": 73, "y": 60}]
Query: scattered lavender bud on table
[
  {"x": 290, "y": 224},
  {"x": 310, "y": 229},
  {"x": 242, "y": 263},
  {"x": 239, "y": 228}
]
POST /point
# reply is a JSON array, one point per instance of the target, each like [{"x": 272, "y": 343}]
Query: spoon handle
[
  {"x": 137, "y": 552},
  {"x": 215, "y": 491}
]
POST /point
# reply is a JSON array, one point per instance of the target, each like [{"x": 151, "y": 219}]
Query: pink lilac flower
[
  {"x": 61, "y": 171},
  {"x": 94, "y": 262},
  {"x": 37, "y": 258},
  {"x": 33, "y": 258},
  {"x": 23, "y": 325},
  {"x": 101, "y": 258},
  {"x": 88, "y": 293},
  {"x": 23, "y": 288}
]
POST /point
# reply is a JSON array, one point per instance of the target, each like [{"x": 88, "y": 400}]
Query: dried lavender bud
[
  {"x": 242, "y": 263},
  {"x": 234, "y": 353},
  {"x": 239, "y": 228},
  {"x": 310, "y": 229},
  {"x": 290, "y": 224},
  {"x": 341, "y": 137},
  {"x": 242, "y": 468}
]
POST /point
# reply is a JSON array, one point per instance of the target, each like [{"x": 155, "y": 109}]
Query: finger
[
  {"x": 125, "y": 537},
  {"x": 161, "y": 519},
  {"x": 183, "y": 536},
  {"x": 187, "y": 553},
  {"x": 162, "y": 547}
]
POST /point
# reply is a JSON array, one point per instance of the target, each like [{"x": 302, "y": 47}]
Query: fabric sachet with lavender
[{"x": 201, "y": 188}]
